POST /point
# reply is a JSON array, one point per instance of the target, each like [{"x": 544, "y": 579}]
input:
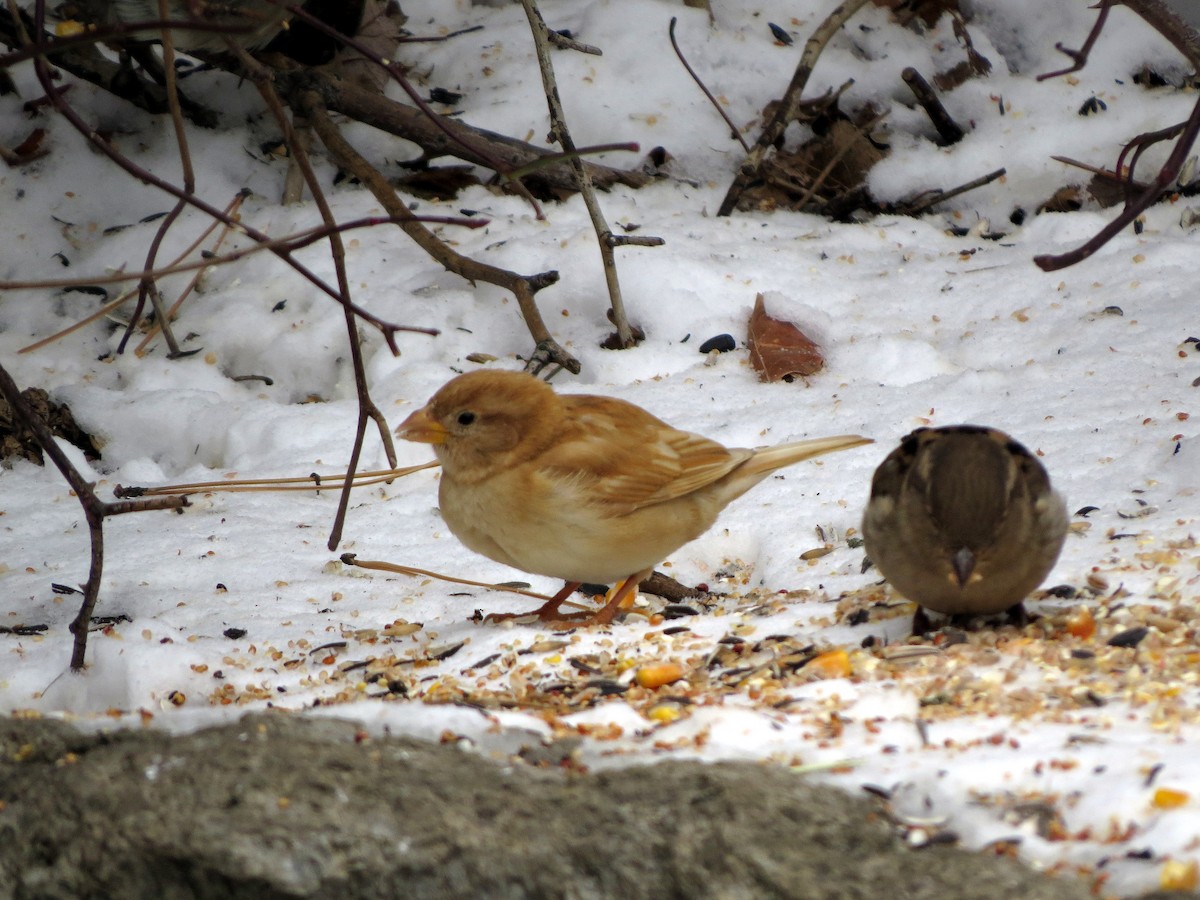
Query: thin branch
[
  {"x": 1099, "y": 172},
  {"x": 1080, "y": 57},
  {"x": 297, "y": 241},
  {"x": 523, "y": 288},
  {"x": 949, "y": 130},
  {"x": 734, "y": 132},
  {"x": 411, "y": 124},
  {"x": 396, "y": 71},
  {"x": 788, "y": 105},
  {"x": 367, "y": 410},
  {"x": 1185, "y": 39},
  {"x": 94, "y": 510},
  {"x": 314, "y": 482},
  {"x": 938, "y": 196},
  {"x": 55, "y": 95},
  {"x": 380, "y": 565},
  {"x": 153, "y": 331},
  {"x": 1166, "y": 176},
  {"x": 562, "y": 135},
  {"x": 146, "y": 286}
]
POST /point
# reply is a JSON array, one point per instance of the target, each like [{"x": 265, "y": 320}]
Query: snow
[{"x": 919, "y": 327}]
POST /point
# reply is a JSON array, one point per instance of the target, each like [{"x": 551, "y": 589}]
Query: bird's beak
[
  {"x": 421, "y": 428},
  {"x": 963, "y": 563}
]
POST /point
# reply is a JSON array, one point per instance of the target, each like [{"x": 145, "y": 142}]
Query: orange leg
[
  {"x": 621, "y": 597},
  {"x": 547, "y": 611}
]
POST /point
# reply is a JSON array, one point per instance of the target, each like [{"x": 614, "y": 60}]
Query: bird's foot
[
  {"x": 547, "y": 612},
  {"x": 620, "y": 597},
  {"x": 921, "y": 624}
]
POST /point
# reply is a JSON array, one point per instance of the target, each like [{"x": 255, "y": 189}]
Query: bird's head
[{"x": 485, "y": 421}]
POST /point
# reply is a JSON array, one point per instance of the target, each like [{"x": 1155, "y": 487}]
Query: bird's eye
[{"x": 466, "y": 417}]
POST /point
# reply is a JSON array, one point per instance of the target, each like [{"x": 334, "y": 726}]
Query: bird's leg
[
  {"x": 546, "y": 612},
  {"x": 1017, "y": 615},
  {"x": 621, "y": 597},
  {"x": 921, "y": 624}
]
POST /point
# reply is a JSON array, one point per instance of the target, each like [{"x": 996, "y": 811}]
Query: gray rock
[{"x": 284, "y": 806}]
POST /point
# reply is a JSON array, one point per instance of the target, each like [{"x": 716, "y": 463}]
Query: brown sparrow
[
  {"x": 962, "y": 520},
  {"x": 578, "y": 487}
]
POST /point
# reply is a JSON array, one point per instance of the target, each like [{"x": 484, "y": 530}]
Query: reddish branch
[
  {"x": 1185, "y": 39},
  {"x": 1135, "y": 207}
]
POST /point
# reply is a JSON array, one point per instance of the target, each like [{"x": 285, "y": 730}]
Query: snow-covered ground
[{"x": 1082, "y": 753}]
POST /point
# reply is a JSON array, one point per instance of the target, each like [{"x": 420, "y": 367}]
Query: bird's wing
[{"x": 622, "y": 458}]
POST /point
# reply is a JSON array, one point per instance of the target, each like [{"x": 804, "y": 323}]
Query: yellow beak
[{"x": 421, "y": 428}]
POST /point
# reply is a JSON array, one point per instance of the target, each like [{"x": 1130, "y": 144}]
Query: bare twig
[
  {"x": 523, "y": 287},
  {"x": 1184, "y": 38},
  {"x": 656, "y": 583},
  {"x": 94, "y": 510},
  {"x": 378, "y": 111},
  {"x": 314, "y": 482},
  {"x": 297, "y": 241},
  {"x": 734, "y": 131},
  {"x": 1166, "y": 176},
  {"x": 55, "y": 95},
  {"x": 562, "y": 42},
  {"x": 938, "y": 196},
  {"x": 1080, "y": 57},
  {"x": 396, "y": 71},
  {"x": 1140, "y": 145},
  {"x": 949, "y": 130},
  {"x": 785, "y": 111},
  {"x": 152, "y": 332},
  {"x": 1099, "y": 172},
  {"x": 367, "y": 410},
  {"x": 146, "y": 287},
  {"x": 562, "y": 135}
]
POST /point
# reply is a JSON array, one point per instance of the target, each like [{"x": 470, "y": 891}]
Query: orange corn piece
[
  {"x": 831, "y": 664},
  {"x": 1169, "y": 798},
  {"x": 1081, "y": 624},
  {"x": 658, "y": 675},
  {"x": 1177, "y": 875}
]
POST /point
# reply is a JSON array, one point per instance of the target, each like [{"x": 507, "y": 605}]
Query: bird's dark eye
[{"x": 466, "y": 417}]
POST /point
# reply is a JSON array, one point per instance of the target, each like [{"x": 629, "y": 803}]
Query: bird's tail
[{"x": 768, "y": 459}]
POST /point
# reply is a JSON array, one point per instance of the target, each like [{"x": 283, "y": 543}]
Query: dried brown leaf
[
  {"x": 1065, "y": 199},
  {"x": 778, "y": 349},
  {"x": 379, "y": 32}
]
